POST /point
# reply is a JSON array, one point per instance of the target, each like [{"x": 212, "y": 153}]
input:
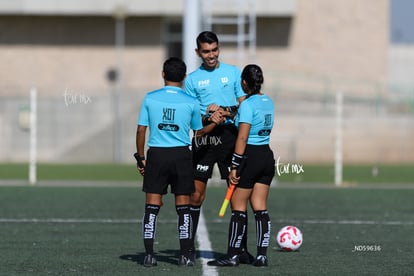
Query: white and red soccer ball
[{"x": 289, "y": 238}]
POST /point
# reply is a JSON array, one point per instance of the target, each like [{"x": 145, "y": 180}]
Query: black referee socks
[
  {"x": 195, "y": 215},
  {"x": 149, "y": 225},
  {"x": 263, "y": 227},
  {"x": 185, "y": 228},
  {"x": 237, "y": 231}
]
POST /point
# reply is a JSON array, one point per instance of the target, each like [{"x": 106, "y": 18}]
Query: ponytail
[{"x": 253, "y": 76}]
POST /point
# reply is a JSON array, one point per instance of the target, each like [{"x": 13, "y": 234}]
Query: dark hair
[
  {"x": 253, "y": 76},
  {"x": 174, "y": 69},
  {"x": 206, "y": 37}
]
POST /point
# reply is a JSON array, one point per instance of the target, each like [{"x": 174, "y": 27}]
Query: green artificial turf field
[
  {"x": 352, "y": 174},
  {"x": 97, "y": 231}
]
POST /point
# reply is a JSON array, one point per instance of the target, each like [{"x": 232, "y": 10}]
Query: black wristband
[
  {"x": 139, "y": 160},
  {"x": 236, "y": 160},
  {"x": 231, "y": 109},
  {"x": 205, "y": 119}
]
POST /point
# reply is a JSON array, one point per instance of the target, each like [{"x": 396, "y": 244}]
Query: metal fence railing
[{"x": 305, "y": 107}]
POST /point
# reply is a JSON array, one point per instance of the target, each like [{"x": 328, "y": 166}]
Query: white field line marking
[
  {"x": 347, "y": 222},
  {"x": 199, "y": 236},
  {"x": 202, "y": 229},
  {"x": 204, "y": 248},
  {"x": 202, "y": 233},
  {"x": 69, "y": 220}
]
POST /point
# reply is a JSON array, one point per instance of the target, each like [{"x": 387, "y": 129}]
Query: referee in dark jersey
[{"x": 170, "y": 114}]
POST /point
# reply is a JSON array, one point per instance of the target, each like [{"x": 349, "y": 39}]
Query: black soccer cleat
[
  {"x": 192, "y": 255},
  {"x": 261, "y": 260},
  {"x": 245, "y": 257},
  {"x": 149, "y": 260},
  {"x": 185, "y": 261},
  {"x": 225, "y": 261}
]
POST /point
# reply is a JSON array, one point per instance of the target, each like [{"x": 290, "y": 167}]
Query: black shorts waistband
[
  {"x": 258, "y": 146},
  {"x": 180, "y": 147},
  {"x": 170, "y": 149}
]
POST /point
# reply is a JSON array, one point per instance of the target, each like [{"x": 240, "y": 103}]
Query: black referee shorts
[
  {"x": 215, "y": 147},
  {"x": 169, "y": 166},
  {"x": 259, "y": 166}
]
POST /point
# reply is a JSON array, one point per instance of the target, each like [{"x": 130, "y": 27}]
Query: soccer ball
[{"x": 289, "y": 238}]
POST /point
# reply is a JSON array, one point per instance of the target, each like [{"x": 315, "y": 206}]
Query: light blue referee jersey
[
  {"x": 170, "y": 114},
  {"x": 258, "y": 111},
  {"x": 221, "y": 86}
]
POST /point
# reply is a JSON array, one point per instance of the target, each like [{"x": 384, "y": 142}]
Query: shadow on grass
[{"x": 168, "y": 256}]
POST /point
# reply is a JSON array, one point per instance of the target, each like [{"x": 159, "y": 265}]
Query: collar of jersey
[
  {"x": 175, "y": 88},
  {"x": 210, "y": 70}
]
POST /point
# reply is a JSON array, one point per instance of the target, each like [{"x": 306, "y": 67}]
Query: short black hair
[
  {"x": 174, "y": 69},
  {"x": 206, "y": 37}
]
